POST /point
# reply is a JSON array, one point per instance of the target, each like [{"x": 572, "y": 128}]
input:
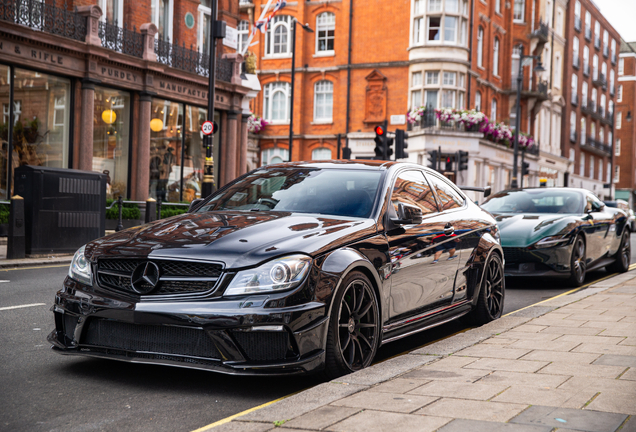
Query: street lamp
[
  {"x": 293, "y": 70},
  {"x": 538, "y": 68}
]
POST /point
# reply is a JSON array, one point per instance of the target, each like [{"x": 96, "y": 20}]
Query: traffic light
[
  {"x": 433, "y": 156},
  {"x": 449, "y": 163},
  {"x": 380, "y": 145},
  {"x": 389, "y": 148},
  {"x": 462, "y": 164},
  {"x": 401, "y": 144},
  {"x": 525, "y": 168},
  {"x": 346, "y": 153}
]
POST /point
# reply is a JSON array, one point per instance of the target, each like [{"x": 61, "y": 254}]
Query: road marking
[
  {"x": 232, "y": 417},
  {"x": 37, "y": 267},
  {"x": 22, "y": 306},
  {"x": 4, "y": 281}
]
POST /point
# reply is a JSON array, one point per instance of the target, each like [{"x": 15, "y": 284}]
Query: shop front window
[
  {"x": 166, "y": 127},
  {"x": 41, "y": 110},
  {"x": 194, "y": 152},
  {"x": 111, "y": 139}
]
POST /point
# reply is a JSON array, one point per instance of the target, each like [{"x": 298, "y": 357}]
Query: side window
[
  {"x": 411, "y": 188},
  {"x": 448, "y": 196}
]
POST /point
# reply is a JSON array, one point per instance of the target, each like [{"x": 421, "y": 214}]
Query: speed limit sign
[{"x": 208, "y": 127}]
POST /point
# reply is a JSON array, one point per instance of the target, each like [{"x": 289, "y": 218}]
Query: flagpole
[{"x": 252, "y": 33}]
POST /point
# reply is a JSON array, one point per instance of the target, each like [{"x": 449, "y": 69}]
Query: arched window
[
  {"x": 573, "y": 126},
  {"x": 480, "y": 47},
  {"x": 594, "y": 105},
  {"x": 575, "y": 51},
  {"x": 584, "y": 94},
  {"x": 325, "y": 32},
  {"x": 276, "y": 102},
  {"x": 277, "y": 36},
  {"x": 586, "y": 60},
  {"x": 495, "y": 57},
  {"x": 604, "y": 71},
  {"x": 595, "y": 67},
  {"x": 321, "y": 154},
  {"x": 323, "y": 101},
  {"x": 243, "y": 31},
  {"x": 575, "y": 88},
  {"x": 602, "y": 106},
  {"x": 611, "y": 82},
  {"x": 478, "y": 101},
  {"x": 274, "y": 155},
  {"x": 493, "y": 110},
  {"x": 583, "y": 130}
]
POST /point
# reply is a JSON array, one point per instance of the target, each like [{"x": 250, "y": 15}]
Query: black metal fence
[
  {"x": 187, "y": 59},
  {"x": 46, "y": 17},
  {"x": 120, "y": 39}
]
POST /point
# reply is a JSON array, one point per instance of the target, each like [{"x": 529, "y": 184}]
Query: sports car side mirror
[
  {"x": 408, "y": 215},
  {"x": 194, "y": 204}
]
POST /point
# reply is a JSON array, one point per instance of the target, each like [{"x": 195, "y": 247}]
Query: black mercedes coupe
[
  {"x": 291, "y": 268},
  {"x": 560, "y": 233}
]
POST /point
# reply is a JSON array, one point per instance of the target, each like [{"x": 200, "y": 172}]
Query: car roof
[
  {"x": 343, "y": 164},
  {"x": 564, "y": 189}
]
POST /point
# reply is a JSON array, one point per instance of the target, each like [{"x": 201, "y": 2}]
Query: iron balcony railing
[
  {"x": 575, "y": 99},
  {"x": 576, "y": 62},
  {"x": 599, "y": 80},
  {"x": 577, "y": 23},
  {"x": 586, "y": 68},
  {"x": 613, "y": 58},
  {"x": 46, "y": 17},
  {"x": 588, "y": 33},
  {"x": 605, "y": 50},
  {"x": 120, "y": 39},
  {"x": 573, "y": 136},
  {"x": 597, "y": 42},
  {"x": 187, "y": 59},
  {"x": 592, "y": 143}
]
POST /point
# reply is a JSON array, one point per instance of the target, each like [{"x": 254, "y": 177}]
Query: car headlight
[
  {"x": 276, "y": 275},
  {"x": 80, "y": 268},
  {"x": 551, "y": 241}
]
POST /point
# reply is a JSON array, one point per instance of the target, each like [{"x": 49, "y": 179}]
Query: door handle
[{"x": 449, "y": 230}]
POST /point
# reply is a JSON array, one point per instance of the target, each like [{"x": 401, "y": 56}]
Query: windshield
[
  {"x": 535, "y": 201},
  {"x": 301, "y": 190}
]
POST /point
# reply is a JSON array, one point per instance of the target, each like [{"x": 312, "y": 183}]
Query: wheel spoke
[
  {"x": 366, "y": 325},
  {"x": 363, "y": 338},
  {"x": 344, "y": 302},
  {"x": 364, "y": 311},
  {"x": 348, "y": 339},
  {"x": 352, "y": 353}
]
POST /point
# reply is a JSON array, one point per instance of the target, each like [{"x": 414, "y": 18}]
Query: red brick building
[
  {"x": 591, "y": 66},
  {"x": 625, "y": 140},
  {"x": 120, "y": 88}
]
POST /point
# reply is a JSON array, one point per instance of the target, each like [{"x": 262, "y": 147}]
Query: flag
[{"x": 262, "y": 24}]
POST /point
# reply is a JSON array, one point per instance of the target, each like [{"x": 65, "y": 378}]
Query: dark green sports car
[{"x": 559, "y": 232}]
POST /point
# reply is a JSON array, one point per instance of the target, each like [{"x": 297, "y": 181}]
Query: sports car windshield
[
  {"x": 337, "y": 192},
  {"x": 535, "y": 201}
]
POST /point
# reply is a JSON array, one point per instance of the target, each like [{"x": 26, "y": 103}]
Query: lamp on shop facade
[
  {"x": 524, "y": 60},
  {"x": 109, "y": 116},
  {"x": 293, "y": 73},
  {"x": 156, "y": 125}
]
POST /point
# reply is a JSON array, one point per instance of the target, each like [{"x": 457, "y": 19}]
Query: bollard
[
  {"x": 16, "y": 242},
  {"x": 120, "y": 223},
  {"x": 159, "y": 209},
  {"x": 151, "y": 210}
]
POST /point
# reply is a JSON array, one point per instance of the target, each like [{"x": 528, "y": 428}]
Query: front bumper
[
  {"x": 551, "y": 262},
  {"x": 243, "y": 336}
]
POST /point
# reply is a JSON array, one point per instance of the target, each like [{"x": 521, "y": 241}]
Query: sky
[{"x": 621, "y": 14}]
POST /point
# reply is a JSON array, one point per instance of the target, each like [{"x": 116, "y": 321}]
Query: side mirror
[
  {"x": 194, "y": 204},
  {"x": 408, "y": 215},
  {"x": 487, "y": 191}
]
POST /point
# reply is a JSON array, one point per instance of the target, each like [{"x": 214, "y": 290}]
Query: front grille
[
  {"x": 262, "y": 346},
  {"x": 176, "y": 277},
  {"x": 149, "y": 338},
  {"x": 523, "y": 255}
]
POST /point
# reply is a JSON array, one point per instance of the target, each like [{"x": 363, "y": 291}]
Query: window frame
[
  {"x": 515, "y": 17},
  {"x": 326, "y": 27},
  {"x": 325, "y": 93},
  {"x": 269, "y": 90},
  {"x": 276, "y": 22}
]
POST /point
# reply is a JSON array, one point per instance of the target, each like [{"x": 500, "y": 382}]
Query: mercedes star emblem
[{"x": 145, "y": 277}]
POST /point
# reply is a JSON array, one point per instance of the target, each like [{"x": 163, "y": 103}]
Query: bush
[
  {"x": 128, "y": 211},
  {"x": 4, "y": 213},
  {"x": 168, "y": 211}
]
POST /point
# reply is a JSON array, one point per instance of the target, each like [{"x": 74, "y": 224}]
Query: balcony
[
  {"x": 600, "y": 81},
  {"x": 612, "y": 90},
  {"x": 605, "y": 51},
  {"x": 588, "y": 33},
  {"x": 541, "y": 33},
  {"x": 608, "y": 118},
  {"x": 575, "y": 99},
  {"x": 121, "y": 39},
  {"x": 586, "y": 69},
  {"x": 573, "y": 136},
  {"x": 186, "y": 59},
  {"x": 613, "y": 58},
  {"x": 596, "y": 147},
  {"x": 539, "y": 91},
  {"x": 597, "y": 42},
  {"x": 588, "y": 108},
  {"x": 576, "y": 62},
  {"x": 577, "y": 23},
  {"x": 46, "y": 17}
]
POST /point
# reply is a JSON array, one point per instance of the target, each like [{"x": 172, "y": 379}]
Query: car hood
[
  {"x": 520, "y": 230},
  {"x": 238, "y": 239}
]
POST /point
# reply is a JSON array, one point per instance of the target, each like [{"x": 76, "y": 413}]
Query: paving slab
[
  {"x": 461, "y": 375},
  {"x": 630, "y": 340},
  {"x": 379, "y": 421},
  {"x": 591, "y": 316},
  {"x": 622, "y": 403},
  {"x": 394, "y": 402},
  {"x": 562, "y": 357},
  {"x": 532, "y": 336},
  {"x": 629, "y": 425},
  {"x": 630, "y": 375},
  {"x": 242, "y": 426},
  {"x": 616, "y": 360},
  {"x": 524, "y": 379},
  {"x": 497, "y": 340},
  {"x": 628, "y": 319},
  {"x": 553, "y": 345},
  {"x": 459, "y": 390},
  {"x": 451, "y": 362},
  {"x": 600, "y": 371},
  {"x": 462, "y": 425},
  {"x": 322, "y": 417},
  {"x": 619, "y": 349},
  {"x": 493, "y": 352},
  {"x": 399, "y": 385},
  {"x": 473, "y": 410},
  {"x": 507, "y": 365},
  {"x": 583, "y": 420},
  {"x": 588, "y": 331},
  {"x": 386, "y": 370},
  {"x": 535, "y": 396},
  {"x": 599, "y": 385},
  {"x": 579, "y": 339},
  {"x": 548, "y": 321}
]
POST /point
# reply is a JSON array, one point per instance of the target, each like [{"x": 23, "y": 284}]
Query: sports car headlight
[
  {"x": 551, "y": 241},
  {"x": 80, "y": 268},
  {"x": 279, "y": 274}
]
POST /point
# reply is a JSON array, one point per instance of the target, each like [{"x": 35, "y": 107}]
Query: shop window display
[
  {"x": 41, "y": 109},
  {"x": 111, "y": 133},
  {"x": 166, "y": 127}
]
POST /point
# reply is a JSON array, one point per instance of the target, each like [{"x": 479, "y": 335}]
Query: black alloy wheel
[
  {"x": 624, "y": 254},
  {"x": 578, "y": 265},
  {"x": 490, "y": 302},
  {"x": 354, "y": 327}
]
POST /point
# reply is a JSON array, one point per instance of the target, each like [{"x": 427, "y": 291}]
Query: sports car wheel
[
  {"x": 623, "y": 256},
  {"x": 577, "y": 263},
  {"x": 354, "y": 327},
  {"x": 492, "y": 293}
]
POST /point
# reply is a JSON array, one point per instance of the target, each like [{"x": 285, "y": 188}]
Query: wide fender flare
[{"x": 494, "y": 245}]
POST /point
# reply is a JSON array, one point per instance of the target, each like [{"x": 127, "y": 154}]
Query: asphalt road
[{"x": 44, "y": 391}]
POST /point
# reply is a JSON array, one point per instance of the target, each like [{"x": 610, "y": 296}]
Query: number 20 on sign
[{"x": 208, "y": 127}]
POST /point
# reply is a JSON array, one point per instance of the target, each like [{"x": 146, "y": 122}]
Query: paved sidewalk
[
  {"x": 568, "y": 364},
  {"x": 52, "y": 259}
]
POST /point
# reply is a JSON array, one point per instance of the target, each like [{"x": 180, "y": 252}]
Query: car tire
[
  {"x": 578, "y": 264},
  {"x": 490, "y": 302},
  {"x": 623, "y": 256},
  {"x": 354, "y": 327}
]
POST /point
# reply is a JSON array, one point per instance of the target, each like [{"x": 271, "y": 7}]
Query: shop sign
[
  {"x": 170, "y": 89},
  {"x": 231, "y": 37},
  {"x": 108, "y": 73},
  {"x": 45, "y": 58}
]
